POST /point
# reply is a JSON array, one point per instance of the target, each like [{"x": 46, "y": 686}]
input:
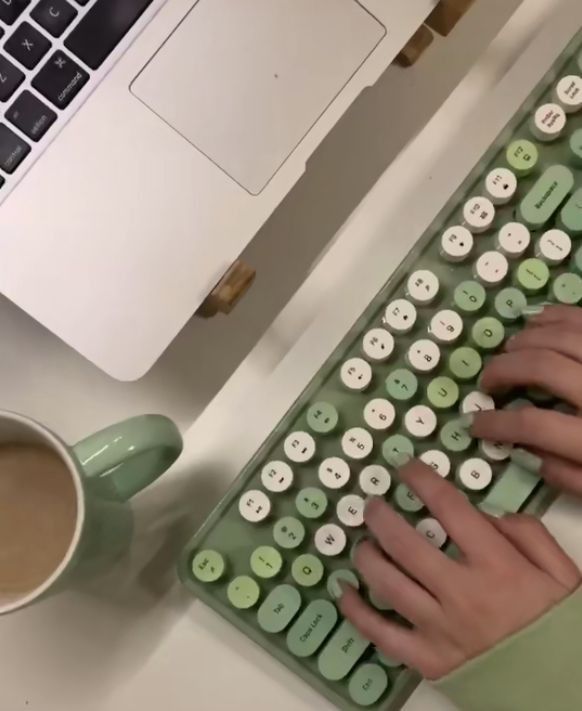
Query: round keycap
[
  {"x": 378, "y": 345},
  {"x": 443, "y": 393},
  {"x": 357, "y": 443},
  {"x": 330, "y": 540},
  {"x": 279, "y": 608},
  {"x": 488, "y": 333},
  {"x": 577, "y": 260},
  {"x": 208, "y": 566},
  {"x": 299, "y": 447},
  {"x": 423, "y": 287},
  {"x": 307, "y": 570},
  {"x": 334, "y": 581},
  {"x": 568, "y": 93},
  {"x": 495, "y": 451},
  {"x": 554, "y": 246},
  {"x": 375, "y": 480},
  {"x": 401, "y": 384},
  {"x": 288, "y": 532},
  {"x": 407, "y": 500},
  {"x": 513, "y": 239},
  {"x": 254, "y": 506},
  {"x": 350, "y": 510},
  {"x": 491, "y": 268},
  {"x": 576, "y": 147},
  {"x": 477, "y": 401},
  {"x": 455, "y": 437},
  {"x": 438, "y": 460},
  {"x": 465, "y": 363},
  {"x": 522, "y": 156},
  {"x": 470, "y": 297},
  {"x": 396, "y": 446},
  {"x": 379, "y": 414},
  {"x": 446, "y": 326},
  {"x": 322, "y": 418},
  {"x": 420, "y": 421},
  {"x": 356, "y": 374},
  {"x": 509, "y": 304},
  {"x": 277, "y": 477},
  {"x": 243, "y": 592},
  {"x": 311, "y": 502},
  {"x": 378, "y": 603},
  {"x": 400, "y": 316},
  {"x": 567, "y": 289},
  {"x": 423, "y": 356},
  {"x": 548, "y": 122},
  {"x": 475, "y": 474},
  {"x": 479, "y": 214},
  {"x": 456, "y": 244},
  {"x": 266, "y": 562},
  {"x": 368, "y": 684},
  {"x": 334, "y": 473},
  {"x": 501, "y": 185},
  {"x": 388, "y": 662},
  {"x": 432, "y": 530},
  {"x": 533, "y": 275}
]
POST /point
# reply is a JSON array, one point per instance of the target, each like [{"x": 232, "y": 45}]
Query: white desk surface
[{"x": 136, "y": 640}]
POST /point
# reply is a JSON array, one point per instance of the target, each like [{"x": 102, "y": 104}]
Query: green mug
[{"x": 64, "y": 512}]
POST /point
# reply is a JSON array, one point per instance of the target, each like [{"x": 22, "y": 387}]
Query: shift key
[{"x": 60, "y": 80}]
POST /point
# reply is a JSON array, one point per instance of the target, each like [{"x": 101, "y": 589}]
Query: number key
[
  {"x": 10, "y": 78},
  {"x": 54, "y": 16},
  {"x": 27, "y": 45}
]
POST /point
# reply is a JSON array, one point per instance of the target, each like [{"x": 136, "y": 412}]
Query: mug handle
[{"x": 127, "y": 457}]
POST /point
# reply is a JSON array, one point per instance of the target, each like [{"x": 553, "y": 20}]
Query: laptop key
[
  {"x": 10, "y": 78},
  {"x": 10, "y": 10},
  {"x": 13, "y": 150},
  {"x": 54, "y": 15},
  {"x": 27, "y": 45},
  {"x": 60, "y": 80},
  {"x": 31, "y": 116}
]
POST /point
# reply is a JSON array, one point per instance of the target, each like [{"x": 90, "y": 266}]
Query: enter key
[{"x": 546, "y": 196}]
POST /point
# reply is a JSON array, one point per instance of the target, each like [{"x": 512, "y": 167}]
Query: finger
[
  {"x": 564, "y": 315},
  {"x": 394, "y": 587},
  {"x": 545, "y": 369},
  {"x": 556, "y": 338},
  {"x": 535, "y": 543},
  {"x": 560, "y": 473}
]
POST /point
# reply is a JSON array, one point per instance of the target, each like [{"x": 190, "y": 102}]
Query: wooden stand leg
[
  {"x": 447, "y": 14},
  {"x": 416, "y": 47},
  {"x": 229, "y": 291}
]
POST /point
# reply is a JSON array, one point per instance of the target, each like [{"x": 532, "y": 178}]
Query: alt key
[{"x": 31, "y": 116}]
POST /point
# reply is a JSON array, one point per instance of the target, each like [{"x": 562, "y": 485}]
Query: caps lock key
[{"x": 60, "y": 80}]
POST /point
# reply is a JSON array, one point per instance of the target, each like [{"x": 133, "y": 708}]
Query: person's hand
[
  {"x": 547, "y": 354},
  {"x": 510, "y": 572}
]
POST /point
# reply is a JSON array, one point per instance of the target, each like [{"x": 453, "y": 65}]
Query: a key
[
  {"x": 31, "y": 116},
  {"x": 13, "y": 150},
  {"x": 10, "y": 78},
  {"x": 60, "y": 80},
  {"x": 54, "y": 15},
  {"x": 10, "y": 10},
  {"x": 27, "y": 45}
]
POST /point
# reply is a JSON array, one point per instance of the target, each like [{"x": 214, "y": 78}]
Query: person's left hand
[{"x": 510, "y": 572}]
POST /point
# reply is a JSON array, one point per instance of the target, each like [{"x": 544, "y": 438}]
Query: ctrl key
[{"x": 13, "y": 150}]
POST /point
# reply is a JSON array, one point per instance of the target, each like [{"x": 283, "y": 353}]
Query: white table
[{"x": 136, "y": 640}]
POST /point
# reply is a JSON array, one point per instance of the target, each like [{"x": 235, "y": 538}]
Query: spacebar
[{"x": 103, "y": 28}]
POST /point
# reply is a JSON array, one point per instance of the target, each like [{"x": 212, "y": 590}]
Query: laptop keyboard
[{"x": 49, "y": 52}]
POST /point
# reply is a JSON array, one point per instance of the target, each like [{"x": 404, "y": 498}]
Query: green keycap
[
  {"x": 509, "y": 303},
  {"x": 288, "y": 532},
  {"x": 311, "y": 502},
  {"x": 455, "y": 437},
  {"x": 368, "y": 684},
  {"x": 518, "y": 404},
  {"x": 465, "y": 363},
  {"x": 266, "y": 562},
  {"x": 443, "y": 393},
  {"x": 402, "y": 384},
  {"x": 342, "y": 575},
  {"x": 243, "y": 592},
  {"x": 576, "y": 147},
  {"x": 407, "y": 500},
  {"x": 279, "y": 608},
  {"x": 512, "y": 489},
  {"x": 311, "y": 628},
  {"x": 488, "y": 333},
  {"x": 580, "y": 61},
  {"x": 470, "y": 296},
  {"x": 546, "y": 196},
  {"x": 577, "y": 260},
  {"x": 571, "y": 215},
  {"x": 341, "y": 653},
  {"x": 522, "y": 156},
  {"x": 380, "y": 605},
  {"x": 388, "y": 662},
  {"x": 533, "y": 275},
  {"x": 396, "y": 446},
  {"x": 322, "y": 418},
  {"x": 307, "y": 570},
  {"x": 208, "y": 566},
  {"x": 567, "y": 289}
]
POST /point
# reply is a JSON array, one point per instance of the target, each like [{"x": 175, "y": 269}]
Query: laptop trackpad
[{"x": 244, "y": 80}]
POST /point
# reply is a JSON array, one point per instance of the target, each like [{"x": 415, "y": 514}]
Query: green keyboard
[{"x": 270, "y": 556}]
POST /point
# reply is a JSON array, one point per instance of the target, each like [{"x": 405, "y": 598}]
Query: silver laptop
[{"x": 144, "y": 143}]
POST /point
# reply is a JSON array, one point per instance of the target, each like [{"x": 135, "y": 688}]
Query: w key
[{"x": 60, "y": 80}]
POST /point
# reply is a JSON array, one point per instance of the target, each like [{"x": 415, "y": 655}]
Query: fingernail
[
  {"x": 336, "y": 589},
  {"x": 401, "y": 459},
  {"x": 494, "y": 511},
  {"x": 532, "y": 310},
  {"x": 467, "y": 421},
  {"x": 527, "y": 460}
]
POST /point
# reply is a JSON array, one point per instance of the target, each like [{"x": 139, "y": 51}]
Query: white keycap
[
  {"x": 501, "y": 185},
  {"x": 479, "y": 214},
  {"x": 356, "y": 374},
  {"x": 438, "y": 460},
  {"x": 254, "y": 506},
  {"x": 495, "y": 451},
  {"x": 477, "y": 402},
  {"x": 491, "y": 268},
  {"x": 277, "y": 476},
  {"x": 549, "y": 122},
  {"x": 446, "y": 326},
  {"x": 400, "y": 316},
  {"x": 554, "y": 246},
  {"x": 475, "y": 474},
  {"x": 357, "y": 443},
  {"x": 513, "y": 239},
  {"x": 569, "y": 93},
  {"x": 334, "y": 472},
  {"x": 378, "y": 344},
  {"x": 350, "y": 510},
  {"x": 423, "y": 356},
  {"x": 299, "y": 447},
  {"x": 379, "y": 414},
  {"x": 457, "y": 244},
  {"x": 420, "y": 421},
  {"x": 330, "y": 540},
  {"x": 375, "y": 480},
  {"x": 432, "y": 530},
  {"x": 423, "y": 287}
]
